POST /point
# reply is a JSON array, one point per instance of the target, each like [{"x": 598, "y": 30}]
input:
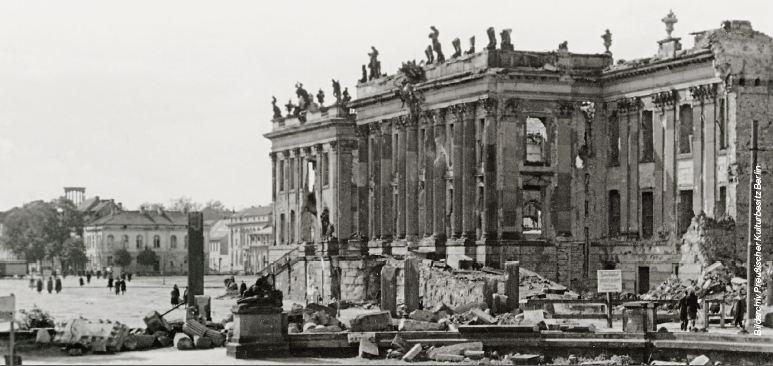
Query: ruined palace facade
[{"x": 566, "y": 162}]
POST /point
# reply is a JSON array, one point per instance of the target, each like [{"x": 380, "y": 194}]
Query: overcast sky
[{"x": 144, "y": 101}]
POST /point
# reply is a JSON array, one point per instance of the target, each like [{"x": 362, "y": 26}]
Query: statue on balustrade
[
  {"x": 374, "y": 65},
  {"x": 436, "y": 45},
  {"x": 506, "y": 44},
  {"x": 457, "y": 47},
  {"x": 304, "y": 98},
  {"x": 337, "y": 91},
  {"x": 492, "y": 39},
  {"x": 277, "y": 111},
  {"x": 429, "y": 55},
  {"x": 321, "y": 97},
  {"x": 472, "y": 46},
  {"x": 346, "y": 98}
]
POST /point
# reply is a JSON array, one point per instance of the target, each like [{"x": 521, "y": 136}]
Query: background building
[
  {"x": 249, "y": 239},
  {"x": 164, "y": 232}
]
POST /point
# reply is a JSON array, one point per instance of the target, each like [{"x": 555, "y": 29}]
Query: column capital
[
  {"x": 272, "y": 156},
  {"x": 386, "y": 126},
  {"x": 440, "y": 115},
  {"x": 510, "y": 107},
  {"x": 333, "y": 145},
  {"x": 489, "y": 106},
  {"x": 318, "y": 148},
  {"x": 306, "y": 150},
  {"x": 363, "y": 131},
  {"x": 285, "y": 153},
  {"x": 565, "y": 109},
  {"x": 706, "y": 91},
  {"x": 427, "y": 117}
]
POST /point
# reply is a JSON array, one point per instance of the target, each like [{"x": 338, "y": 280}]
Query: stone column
[
  {"x": 458, "y": 169},
  {"x": 286, "y": 184},
  {"x": 439, "y": 178},
  {"x": 375, "y": 181},
  {"x": 411, "y": 284},
  {"x": 401, "y": 145},
  {"x": 489, "y": 171},
  {"x": 195, "y": 256},
  {"x": 429, "y": 175},
  {"x": 509, "y": 139},
  {"x": 468, "y": 171},
  {"x": 336, "y": 207},
  {"x": 411, "y": 181},
  {"x": 513, "y": 271},
  {"x": 297, "y": 202},
  {"x": 363, "y": 204},
  {"x": 387, "y": 231},
  {"x": 388, "y": 289},
  {"x": 318, "y": 151},
  {"x": 274, "y": 195}
]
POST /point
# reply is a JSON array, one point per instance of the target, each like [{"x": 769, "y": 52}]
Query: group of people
[
  {"x": 688, "y": 310},
  {"x": 51, "y": 285},
  {"x": 176, "y": 296},
  {"x": 120, "y": 284}
]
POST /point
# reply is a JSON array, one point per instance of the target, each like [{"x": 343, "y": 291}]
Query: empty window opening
[
  {"x": 646, "y": 151},
  {"x": 536, "y": 141},
  {"x": 721, "y": 202},
  {"x": 532, "y": 210},
  {"x": 647, "y": 221},
  {"x": 614, "y": 213},
  {"x": 613, "y": 134},
  {"x": 685, "y": 211},
  {"x": 685, "y": 129}
]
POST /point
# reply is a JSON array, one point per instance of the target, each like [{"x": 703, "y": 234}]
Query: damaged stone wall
[
  {"x": 561, "y": 262},
  {"x": 705, "y": 242},
  {"x": 440, "y": 286}
]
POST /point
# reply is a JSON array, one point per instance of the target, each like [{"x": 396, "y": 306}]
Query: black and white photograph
[{"x": 509, "y": 182}]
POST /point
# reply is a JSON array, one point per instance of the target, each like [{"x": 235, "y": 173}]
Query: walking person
[
  {"x": 129, "y": 276},
  {"x": 88, "y": 277},
  {"x": 739, "y": 310},
  {"x": 109, "y": 281},
  {"x": 80, "y": 280},
  {"x": 50, "y": 285},
  {"x": 692, "y": 307},
  {"x": 683, "y": 310},
  {"x": 175, "y": 295},
  {"x": 123, "y": 287},
  {"x": 32, "y": 283},
  {"x": 40, "y": 285},
  {"x": 118, "y": 287},
  {"x": 58, "y": 285}
]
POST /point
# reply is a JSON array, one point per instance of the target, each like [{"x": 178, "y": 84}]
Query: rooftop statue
[
  {"x": 506, "y": 44},
  {"x": 457, "y": 48},
  {"x": 364, "y": 77},
  {"x": 492, "y": 38},
  {"x": 374, "y": 65},
  {"x": 277, "y": 111},
  {"x": 337, "y": 91},
  {"x": 563, "y": 46},
  {"x": 290, "y": 107},
  {"x": 428, "y": 53},
  {"x": 346, "y": 98},
  {"x": 321, "y": 97},
  {"x": 607, "y": 37},
  {"x": 304, "y": 98},
  {"x": 670, "y": 20},
  {"x": 472, "y": 46},
  {"x": 436, "y": 45}
]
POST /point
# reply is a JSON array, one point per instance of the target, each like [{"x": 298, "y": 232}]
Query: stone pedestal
[{"x": 258, "y": 331}]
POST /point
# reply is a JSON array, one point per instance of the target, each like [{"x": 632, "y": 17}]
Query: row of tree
[
  {"x": 53, "y": 230},
  {"x": 46, "y": 230}
]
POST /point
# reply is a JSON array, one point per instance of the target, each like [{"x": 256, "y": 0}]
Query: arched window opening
[{"x": 156, "y": 241}]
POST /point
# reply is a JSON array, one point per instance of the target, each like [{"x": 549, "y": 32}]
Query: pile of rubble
[
  {"x": 81, "y": 336},
  {"x": 314, "y": 318},
  {"x": 715, "y": 282}
]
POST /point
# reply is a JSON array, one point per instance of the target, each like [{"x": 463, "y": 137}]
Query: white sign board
[
  {"x": 7, "y": 305},
  {"x": 609, "y": 280}
]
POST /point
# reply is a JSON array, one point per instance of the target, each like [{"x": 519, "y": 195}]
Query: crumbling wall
[
  {"x": 561, "y": 262},
  {"x": 440, "y": 286},
  {"x": 705, "y": 242},
  {"x": 292, "y": 282}
]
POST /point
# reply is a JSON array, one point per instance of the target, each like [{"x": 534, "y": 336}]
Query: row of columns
[{"x": 422, "y": 175}]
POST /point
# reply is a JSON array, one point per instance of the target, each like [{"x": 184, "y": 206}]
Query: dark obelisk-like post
[{"x": 195, "y": 256}]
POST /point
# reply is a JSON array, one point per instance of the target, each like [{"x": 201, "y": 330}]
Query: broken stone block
[
  {"x": 373, "y": 322},
  {"x": 700, "y": 360},
  {"x": 368, "y": 348},
  {"x": 399, "y": 343},
  {"x": 482, "y": 317},
  {"x": 155, "y": 322},
  {"x": 202, "y": 342},
  {"x": 324, "y": 329},
  {"x": 525, "y": 359},
  {"x": 393, "y": 353},
  {"x": 467, "y": 307},
  {"x": 183, "y": 342},
  {"x": 423, "y": 315},
  {"x": 474, "y": 355},
  {"x": 411, "y": 355},
  {"x": 444, "y": 357},
  {"x": 456, "y": 349},
  {"x": 409, "y": 325}
]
